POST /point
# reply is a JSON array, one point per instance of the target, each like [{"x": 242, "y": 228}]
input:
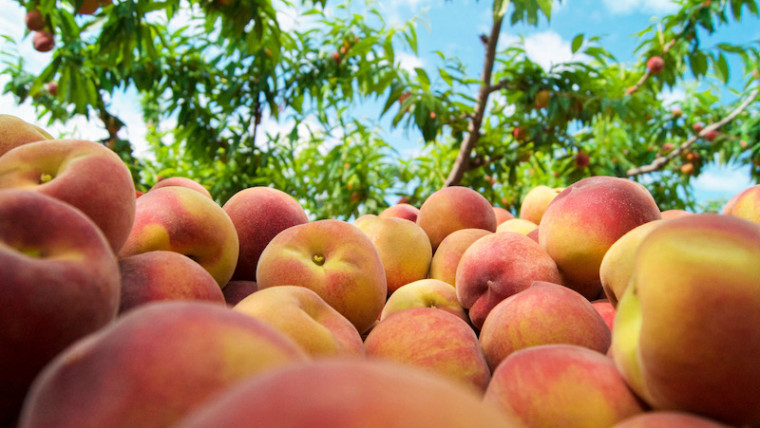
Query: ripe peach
[
  {"x": 303, "y": 316},
  {"x": 259, "y": 214},
  {"x": 453, "y": 208},
  {"x": 334, "y": 259},
  {"x": 497, "y": 266},
  {"x": 401, "y": 210},
  {"x": 502, "y": 215},
  {"x": 583, "y": 222},
  {"x": 434, "y": 340},
  {"x": 425, "y": 293},
  {"x": 183, "y": 182},
  {"x": 155, "y": 365},
  {"x": 656, "y": 64},
  {"x": 444, "y": 264},
  {"x": 535, "y": 202},
  {"x": 15, "y": 131},
  {"x": 237, "y": 290}
]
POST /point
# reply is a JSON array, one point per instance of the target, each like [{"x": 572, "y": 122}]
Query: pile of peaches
[{"x": 592, "y": 308}]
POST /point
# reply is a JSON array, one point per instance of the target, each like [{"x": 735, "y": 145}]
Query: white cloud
[
  {"x": 673, "y": 96},
  {"x": 656, "y": 7},
  {"x": 728, "y": 180},
  {"x": 546, "y": 48},
  {"x": 408, "y": 61}
]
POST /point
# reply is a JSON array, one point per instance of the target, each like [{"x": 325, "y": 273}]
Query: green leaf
[
  {"x": 546, "y": 8},
  {"x": 721, "y": 67},
  {"x": 422, "y": 76},
  {"x": 577, "y": 42}
]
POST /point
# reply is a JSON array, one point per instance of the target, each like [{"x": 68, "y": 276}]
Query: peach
[
  {"x": 543, "y": 314},
  {"x": 617, "y": 265},
  {"x": 348, "y": 393},
  {"x": 182, "y": 182},
  {"x": 60, "y": 281},
  {"x": 434, "y": 340},
  {"x": 685, "y": 335},
  {"x": 535, "y": 202},
  {"x": 745, "y": 204},
  {"x": 155, "y": 365},
  {"x": 668, "y": 214},
  {"x": 497, "y": 266},
  {"x": 237, "y": 290},
  {"x": 425, "y": 293},
  {"x": 561, "y": 386},
  {"x": 260, "y": 213},
  {"x": 583, "y": 222},
  {"x": 164, "y": 275},
  {"x": 303, "y": 316},
  {"x": 606, "y": 310},
  {"x": 15, "y": 132},
  {"x": 517, "y": 225},
  {"x": 81, "y": 173},
  {"x": 332, "y": 258},
  {"x": 401, "y": 210},
  {"x": 403, "y": 248},
  {"x": 182, "y": 220},
  {"x": 502, "y": 215},
  {"x": 453, "y": 208},
  {"x": 443, "y": 265},
  {"x": 665, "y": 419}
]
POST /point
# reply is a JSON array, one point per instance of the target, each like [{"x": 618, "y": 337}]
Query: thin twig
[
  {"x": 661, "y": 161},
  {"x": 648, "y": 73}
]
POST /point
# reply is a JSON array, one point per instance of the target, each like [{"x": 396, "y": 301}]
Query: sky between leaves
[{"x": 453, "y": 27}]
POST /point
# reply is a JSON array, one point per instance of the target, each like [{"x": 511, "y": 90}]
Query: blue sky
[{"x": 453, "y": 27}]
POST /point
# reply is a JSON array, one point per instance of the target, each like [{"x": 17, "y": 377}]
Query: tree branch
[
  {"x": 473, "y": 129},
  {"x": 661, "y": 161}
]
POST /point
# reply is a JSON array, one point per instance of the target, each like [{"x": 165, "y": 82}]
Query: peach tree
[{"x": 233, "y": 98}]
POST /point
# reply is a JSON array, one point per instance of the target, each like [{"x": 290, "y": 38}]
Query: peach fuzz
[
  {"x": 182, "y": 220},
  {"x": 434, "y": 340},
  {"x": 617, "y": 265},
  {"x": 259, "y": 214},
  {"x": 402, "y": 210},
  {"x": 403, "y": 248},
  {"x": 164, "y": 275},
  {"x": 82, "y": 173},
  {"x": 453, "y": 208},
  {"x": 425, "y": 293},
  {"x": 583, "y": 222},
  {"x": 15, "y": 132},
  {"x": 685, "y": 335},
  {"x": 668, "y": 419},
  {"x": 543, "y": 314},
  {"x": 497, "y": 266},
  {"x": 502, "y": 215},
  {"x": 237, "y": 290},
  {"x": 518, "y": 225},
  {"x": 303, "y": 316},
  {"x": 745, "y": 204},
  {"x": 152, "y": 367},
  {"x": 334, "y": 259},
  {"x": 60, "y": 282},
  {"x": 341, "y": 393},
  {"x": 561, "y": 386},
  {"x": 535, "y": 202},
  {"x": 182, "y": 182},
  {"x": 446, "y": 258}
]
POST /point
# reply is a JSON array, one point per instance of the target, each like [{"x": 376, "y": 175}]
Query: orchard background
[{"x": 352, "y": 106}]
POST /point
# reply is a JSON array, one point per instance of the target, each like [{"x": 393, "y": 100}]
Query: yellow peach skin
[
  {"x": 425, "y": 293},
  {"x": 334, "y": 259},
  {"x": 535, "y": 202},
  {"x": 685, "y": 335},
  {"x": 403, "y": 248},
  {"x": 303, "y": 316},
  {"x": 184, "y": 221},
  {"x": 518, "y": 225},
  {"x": 15, "y": 132},
  {"x": 745, "y": 204}
]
